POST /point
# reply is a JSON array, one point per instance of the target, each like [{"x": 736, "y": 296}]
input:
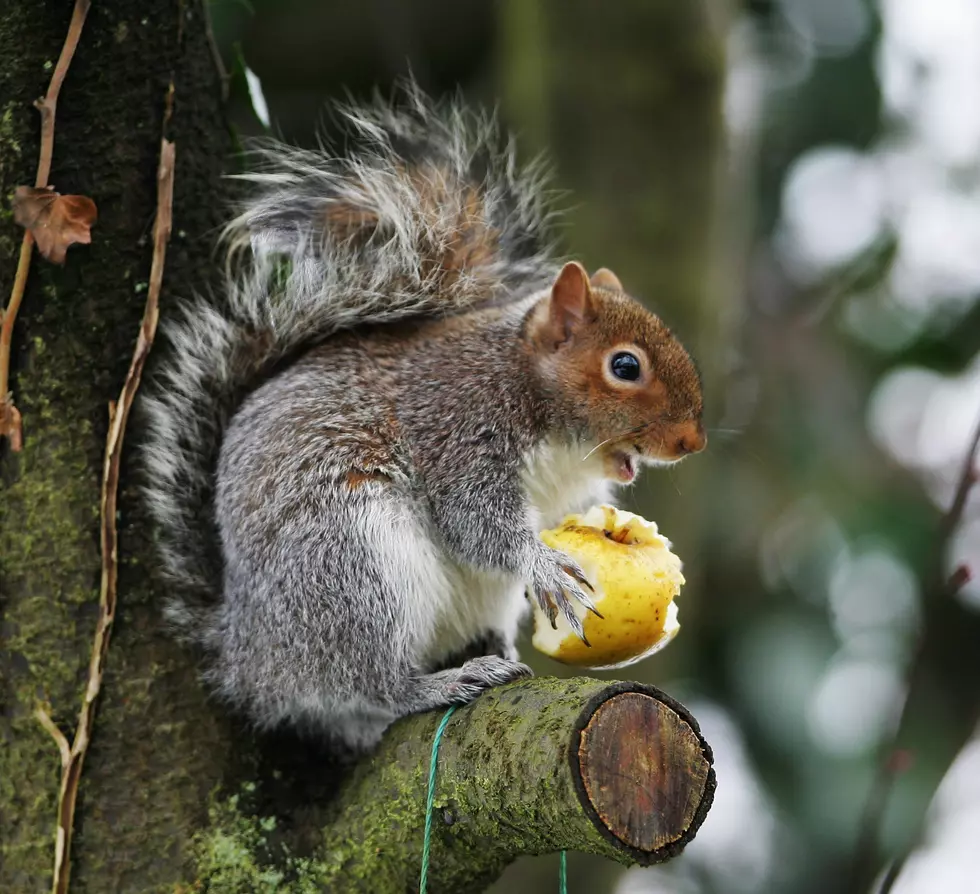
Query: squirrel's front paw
[{"x": 555, "y": 577}]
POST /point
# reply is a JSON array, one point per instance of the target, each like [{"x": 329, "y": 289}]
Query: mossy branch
[{"x": 540, "y": 766}]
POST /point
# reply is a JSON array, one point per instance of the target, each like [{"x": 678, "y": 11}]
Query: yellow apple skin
[{"x": 635, "y": 576}]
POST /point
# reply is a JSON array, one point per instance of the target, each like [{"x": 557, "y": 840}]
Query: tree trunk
[
  {"x": 175, "y": 795},
  {"x": 158, "y": 750}
]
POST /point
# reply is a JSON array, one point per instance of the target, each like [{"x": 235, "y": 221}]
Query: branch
[
  {"x": 118, "y": 415},
  {"x": 544, "y": 765},
  {"x": 10, "y": 422},
  {"x": 891, "y": 761},
  {"x": 953, "y": 516}
]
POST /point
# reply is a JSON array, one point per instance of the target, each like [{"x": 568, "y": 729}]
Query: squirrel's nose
[{"x": 693, "y": 440}]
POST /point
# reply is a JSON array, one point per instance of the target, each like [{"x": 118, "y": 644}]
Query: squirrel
[{"x": 350, "y": 454}]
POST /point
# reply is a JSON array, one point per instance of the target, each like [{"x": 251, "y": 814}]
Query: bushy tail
[{"x": 427, "y": 214}]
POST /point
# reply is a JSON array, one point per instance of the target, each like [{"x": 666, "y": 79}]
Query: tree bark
[{"x": 175, "y": 794}]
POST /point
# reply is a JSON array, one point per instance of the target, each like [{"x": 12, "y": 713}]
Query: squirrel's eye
[{"x": 625, "y": 366}]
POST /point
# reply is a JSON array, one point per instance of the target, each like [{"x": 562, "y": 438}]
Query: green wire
[{"x": 430, "y": 799}]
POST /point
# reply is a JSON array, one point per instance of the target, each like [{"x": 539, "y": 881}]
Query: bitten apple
[{"x": 636, "y": 578}]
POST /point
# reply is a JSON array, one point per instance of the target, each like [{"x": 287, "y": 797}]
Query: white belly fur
[
  {"x": 558, "y": 479},
  {"x": 466, "y": 602}
]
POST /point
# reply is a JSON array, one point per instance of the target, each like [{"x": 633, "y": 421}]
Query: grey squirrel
[{"x": 349, "y": 455}]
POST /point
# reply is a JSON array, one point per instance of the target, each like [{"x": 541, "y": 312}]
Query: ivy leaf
[{"x": 55, "y": 221}]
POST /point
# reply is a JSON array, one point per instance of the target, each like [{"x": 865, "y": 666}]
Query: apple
[{"x": 635, "y": 577}]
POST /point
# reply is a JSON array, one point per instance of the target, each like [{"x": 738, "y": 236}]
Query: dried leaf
[
  {"x": 10, "y": 423},
  {"x": 55, "y": 221}
]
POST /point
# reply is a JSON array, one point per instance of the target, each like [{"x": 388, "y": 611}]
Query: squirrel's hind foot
[{"x": 461, "y": 685}]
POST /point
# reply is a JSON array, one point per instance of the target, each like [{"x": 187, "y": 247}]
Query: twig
[
  {"x": 47, "y": 105},
  {"x": 940, "y": 586},
  {"x": 59, "y": 737},
  {"x": 118, "y": 415},
  {"x": 968, "y": 477}
]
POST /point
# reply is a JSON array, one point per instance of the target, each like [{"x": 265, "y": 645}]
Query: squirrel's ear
[
  {"x": 604, "y": 278},
  {"x": 571, "y": 302}
]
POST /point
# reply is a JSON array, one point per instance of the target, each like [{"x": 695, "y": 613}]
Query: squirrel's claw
[
  {"x": 551, "y": 610},
  {"x": 573, "y": 619},
  {"x": 588, "y": 603},
  {"x": 556, "y": 581},
  {"x": 546, "y": 600},
  {"x": 576, "y": 573}
]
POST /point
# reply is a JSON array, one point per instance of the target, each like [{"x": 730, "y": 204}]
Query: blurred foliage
[{"x": 795, "y": 499}]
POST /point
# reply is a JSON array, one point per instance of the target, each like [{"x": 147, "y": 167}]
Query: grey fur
[{"x": 368, "y": 497}]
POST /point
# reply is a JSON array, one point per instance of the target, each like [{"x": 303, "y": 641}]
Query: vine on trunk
[
  {"x": 73, "y": 756},
  {"x": 10, "y": 421}
]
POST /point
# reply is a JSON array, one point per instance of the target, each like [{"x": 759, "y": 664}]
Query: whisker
[
  {"x": 629, "y": 432},
  {"x": 636, "y": 429},
  {"x": 601, "y": 444},
  {"x": 623, "y": 434}
]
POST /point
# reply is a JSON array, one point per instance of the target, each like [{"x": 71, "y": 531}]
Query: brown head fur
[{"x": 651, "y": 413}]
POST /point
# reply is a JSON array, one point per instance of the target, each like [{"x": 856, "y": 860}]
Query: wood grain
[{"x": 644, "y": 773}]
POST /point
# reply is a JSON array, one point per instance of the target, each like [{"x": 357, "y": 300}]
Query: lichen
[
  {"x": 10, "y": 153},
  {"x": 10, "y": 147},
  {"x": 50, "y": 561},
  {"x": 237, "y": 855}
]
